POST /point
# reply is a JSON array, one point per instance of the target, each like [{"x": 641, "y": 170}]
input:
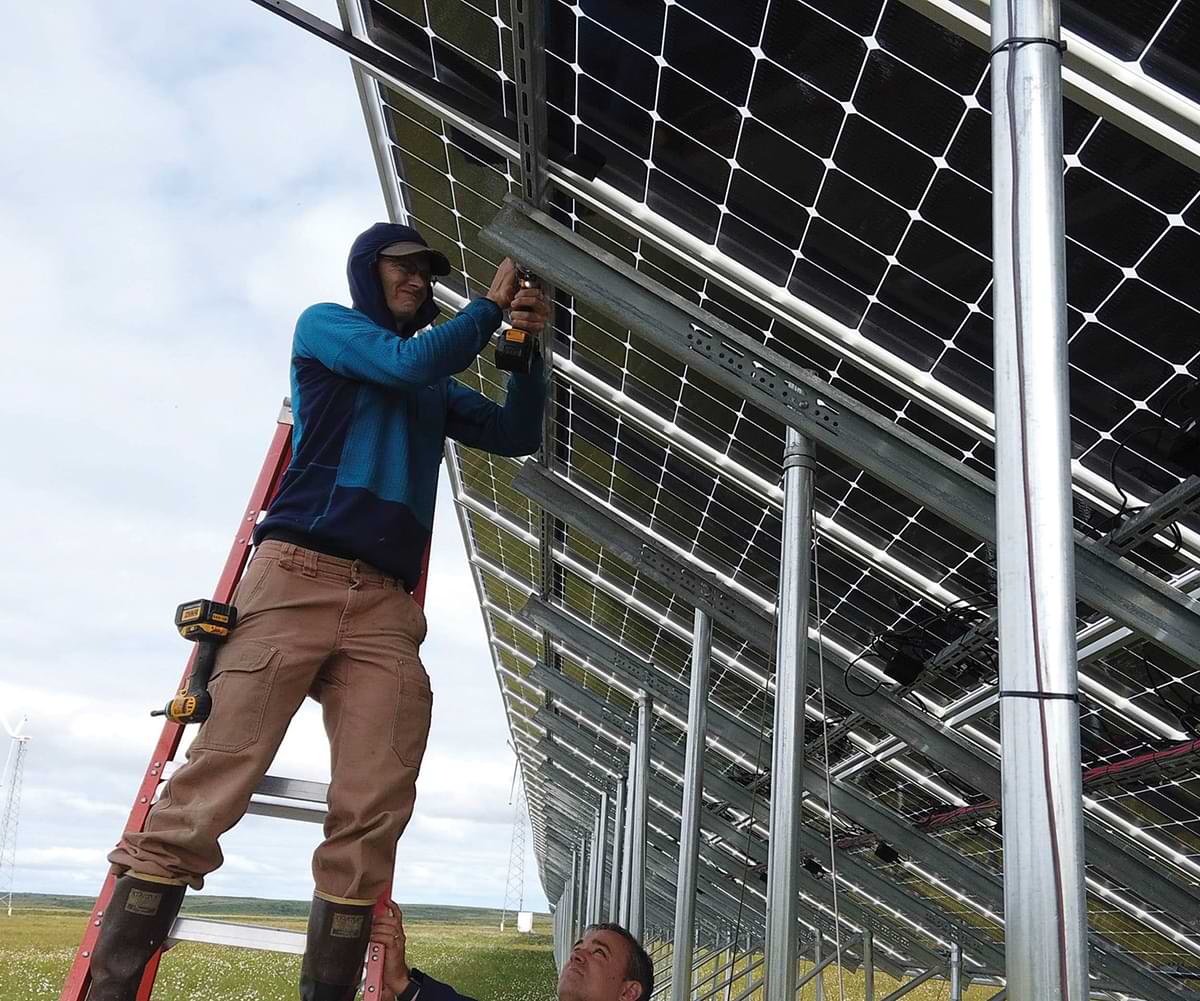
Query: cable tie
[
  {"x": 1067, "y": 696},
  {"x": 1020, "y": 42}
]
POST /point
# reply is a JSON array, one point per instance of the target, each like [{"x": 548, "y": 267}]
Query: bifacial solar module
[{"x": 817, "y": 173}]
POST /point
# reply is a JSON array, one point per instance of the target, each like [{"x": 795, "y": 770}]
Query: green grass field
[{"x": 462, "y": 946}]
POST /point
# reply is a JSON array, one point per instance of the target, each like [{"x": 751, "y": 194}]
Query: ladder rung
[
  {"x": 301, "y": 789},
  {"x": 287, "y": 811},
  {"x": 237, "y": 935}
]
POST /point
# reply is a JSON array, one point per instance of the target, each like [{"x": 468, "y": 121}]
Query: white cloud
[
  {"x": 71, "y": 803},
  {"x": 58, "y": 856},
  {"x": 188, "y": 178}
]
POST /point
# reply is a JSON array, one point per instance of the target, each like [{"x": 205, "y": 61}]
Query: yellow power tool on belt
[
  {"x": 208, "y": 624},
  {"x": 514, "y": 349}
]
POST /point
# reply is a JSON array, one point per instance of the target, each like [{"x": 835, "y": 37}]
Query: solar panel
[{"x": 816, "y": 173}]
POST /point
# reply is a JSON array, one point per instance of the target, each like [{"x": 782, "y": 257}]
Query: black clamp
[
  {"x": 1067, "y": 696},
  {"x": 1021, "y": 41}
]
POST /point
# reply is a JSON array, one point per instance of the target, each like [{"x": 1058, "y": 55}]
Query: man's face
[
  {"x": 596, "y": 970},
  {"x": 405, "y": 282}
]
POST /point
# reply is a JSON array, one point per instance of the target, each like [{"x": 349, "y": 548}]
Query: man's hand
[
  {"x": 529, "y": 311},
  {"x": 388, "y": 931},
  {"x": 504, "y": 285}
]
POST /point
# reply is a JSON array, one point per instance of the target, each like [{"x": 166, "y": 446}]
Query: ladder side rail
[{"x": 274, "y": 465}]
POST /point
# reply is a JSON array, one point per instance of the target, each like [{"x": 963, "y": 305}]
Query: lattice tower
[
  {"x": 11, "y": 819},
  {"x": 514, "y": 892}
]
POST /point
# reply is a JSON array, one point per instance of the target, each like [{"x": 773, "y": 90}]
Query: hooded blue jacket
[{"x": 372, "y": 406}]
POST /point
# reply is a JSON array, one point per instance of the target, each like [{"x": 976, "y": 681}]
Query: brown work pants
[{"x": 346, "y": 634}]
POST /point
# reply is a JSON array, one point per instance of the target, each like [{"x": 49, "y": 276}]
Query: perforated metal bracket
[
  {"x": 733, "y": 359},
  {"x": 646, "y": 675},
  {"x": 1181, "y": 501},
  {"x": 706, "y": 593}
]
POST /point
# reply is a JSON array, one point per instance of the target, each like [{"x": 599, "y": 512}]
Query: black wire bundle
[{"x": 912, "y": 645}]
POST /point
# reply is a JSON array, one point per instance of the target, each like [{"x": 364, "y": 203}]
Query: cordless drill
[
  {"x": 514, "y": 350},
  {"x": 207, "y": 624}
]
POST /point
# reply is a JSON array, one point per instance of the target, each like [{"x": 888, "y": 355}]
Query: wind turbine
[{"x": 14, "y": 766}]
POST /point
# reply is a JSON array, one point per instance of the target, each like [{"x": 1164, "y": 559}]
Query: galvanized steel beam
[{"x": 745, "y": 619}]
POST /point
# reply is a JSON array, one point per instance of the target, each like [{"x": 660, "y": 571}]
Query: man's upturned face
[
  {"x": 596, "y": 970},
  {"x": 405, "y": 282}
]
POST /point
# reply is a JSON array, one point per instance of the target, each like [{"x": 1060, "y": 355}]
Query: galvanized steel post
[
  {"x": 819, "y": 982},
  {"x": 580, "y": 889},
  {"x": 868, "y": 962},
  {"x": 590, "y": 908},
  {"x": 956, "y": 978},
  {"x": 791, "y": 655},
  {"x": 637, "y": 866},
  {"x": 599, "y": 848},
  {"x": 627, "y": 855},
  {"x": 614, "y": 886},
  {"x": 689, "y": 824},
  {"x": 1045, "y": 912},
  {"x": 572, "y": 922}
]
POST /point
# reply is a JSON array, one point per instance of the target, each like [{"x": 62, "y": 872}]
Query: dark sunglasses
[{"x": 409, "y": 266}]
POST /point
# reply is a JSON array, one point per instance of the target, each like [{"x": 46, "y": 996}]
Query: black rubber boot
[
  {"x": 337, "y": 945},
  {"x": 134, "y": 925}
]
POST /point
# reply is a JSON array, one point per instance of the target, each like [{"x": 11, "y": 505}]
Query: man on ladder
[{"x": 325, "y": 607}]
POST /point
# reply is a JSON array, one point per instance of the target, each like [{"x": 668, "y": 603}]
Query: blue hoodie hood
[{"x": 366, "y": 292}]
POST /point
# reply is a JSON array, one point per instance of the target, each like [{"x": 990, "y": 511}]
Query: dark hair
[{"x": 638, "y": 968}]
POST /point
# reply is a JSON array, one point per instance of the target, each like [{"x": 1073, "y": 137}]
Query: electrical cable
[
  {"x": 1115, "y": 519},
  {"x": 1112, "y": 469}
]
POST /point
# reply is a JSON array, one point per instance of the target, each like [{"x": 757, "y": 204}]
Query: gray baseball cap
[{"x": 438, "y": 264}]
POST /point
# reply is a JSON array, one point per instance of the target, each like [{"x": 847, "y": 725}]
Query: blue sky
[{"x": 180, "y": 180}]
